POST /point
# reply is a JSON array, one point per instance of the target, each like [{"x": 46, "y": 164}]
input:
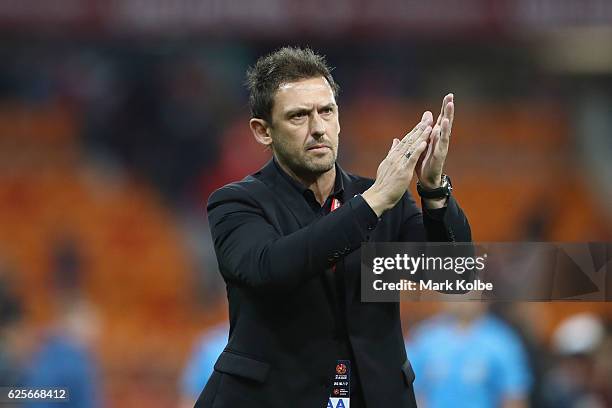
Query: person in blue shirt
[
  {"x": 54, "y": 358},
  {"x": 201, "y": 363},
  {"x": 62, "y": 362},
  {"x": 468, "y": 358}
]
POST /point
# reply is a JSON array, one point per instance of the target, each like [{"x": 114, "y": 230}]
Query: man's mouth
[{"x": 318, "y": 147}]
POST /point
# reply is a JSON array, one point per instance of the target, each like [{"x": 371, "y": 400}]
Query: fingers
[
  {"x": 431, "y": 145},
  {"x": 396, "y": 141},
  {"x": 449, "y": 110},
  {"x": 411, "y": 137},
  {"x": 419, "y": 136},
  {"x": 445, "y": 101},
  {"x": 418, "y": 126},
  {"x": 446, "y": 127},
  {"x": 412, "y": 150},
  {"x": 425, "y": 121},
  {"x": 414, "y": 157}
]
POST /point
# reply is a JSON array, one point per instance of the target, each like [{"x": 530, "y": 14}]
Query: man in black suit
[{"x": 287, "y": 240}]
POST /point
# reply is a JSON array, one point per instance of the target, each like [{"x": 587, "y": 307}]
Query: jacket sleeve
[
  {"x": 252, "y": 253},
  {"x": 447, "y": 224}
]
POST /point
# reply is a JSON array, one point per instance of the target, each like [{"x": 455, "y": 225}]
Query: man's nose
[{"x": 317, "y": 125}]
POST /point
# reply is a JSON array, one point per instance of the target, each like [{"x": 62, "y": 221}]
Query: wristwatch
[{"x": 441, "y": 192}]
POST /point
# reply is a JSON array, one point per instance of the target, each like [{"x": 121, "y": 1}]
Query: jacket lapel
[
  {"x": 296, "y": 205},
  {"x": 350, "y": 187},
  {"x": 287, "y": 194}
]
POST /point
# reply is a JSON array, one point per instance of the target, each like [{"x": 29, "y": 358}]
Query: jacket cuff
[
  {"x": 364, "y": 214},
  {"x": 436, "y": 214}
]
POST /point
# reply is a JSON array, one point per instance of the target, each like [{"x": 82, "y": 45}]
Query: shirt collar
[{"x": 338, "y": 183}]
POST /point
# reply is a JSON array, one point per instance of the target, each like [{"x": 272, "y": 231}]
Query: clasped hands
[{"x": 422, "y": 151}]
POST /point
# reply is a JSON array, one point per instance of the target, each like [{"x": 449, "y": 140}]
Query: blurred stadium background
[{"x": 118, "y": 119}]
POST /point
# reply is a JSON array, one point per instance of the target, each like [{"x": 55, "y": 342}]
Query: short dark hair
[{"x": 284, "y": 65}]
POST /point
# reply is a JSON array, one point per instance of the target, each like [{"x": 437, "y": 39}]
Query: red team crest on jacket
[
  {"x": 341, "y": 369},
  {"x": 335, "y": 204}
]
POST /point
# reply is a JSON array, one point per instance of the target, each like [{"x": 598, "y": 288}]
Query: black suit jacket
[{"x": 284, "y": 338}]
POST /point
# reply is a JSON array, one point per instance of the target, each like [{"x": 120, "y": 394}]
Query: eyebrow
[{"x": 295, "y": 111}]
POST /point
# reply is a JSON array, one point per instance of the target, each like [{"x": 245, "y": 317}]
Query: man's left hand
[{"x": 431, "y": 162}]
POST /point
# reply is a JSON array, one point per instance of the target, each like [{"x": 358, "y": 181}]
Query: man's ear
[{"x": 261, "y": 131}]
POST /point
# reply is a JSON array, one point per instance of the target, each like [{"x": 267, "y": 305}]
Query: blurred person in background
[
  {"x": 581, "y": 374},
  {"x": 11, "y": 323},
  {"x": 525, "y": 319},
  {"x": 52, "y": 358},
  {"x": 201, "y": 363},
  {"x": 603, "y": 367},
  {"x": 286, "y": 240},
  {"x": 466, "y": 357},
  {"x": 56, "y": 354}
]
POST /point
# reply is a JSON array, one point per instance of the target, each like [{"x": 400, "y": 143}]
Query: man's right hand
[{"x": 396, "y": 170}]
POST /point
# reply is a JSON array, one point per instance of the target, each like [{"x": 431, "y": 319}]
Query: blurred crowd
[
  {"x": 471, "y": 354},
  {"x": 110, "y": 147}
]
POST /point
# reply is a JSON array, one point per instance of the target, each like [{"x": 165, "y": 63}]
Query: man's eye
[
  {"x": 328, "y": 110},
  {"x": 298, "y": 115}
]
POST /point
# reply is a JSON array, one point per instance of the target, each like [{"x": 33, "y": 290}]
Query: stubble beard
[
  {"x": 319, "y": 166},
  {"x": 305, "y": 166}
]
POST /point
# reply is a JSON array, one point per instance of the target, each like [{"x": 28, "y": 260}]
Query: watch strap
[{"x": 441, "y": 192}]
